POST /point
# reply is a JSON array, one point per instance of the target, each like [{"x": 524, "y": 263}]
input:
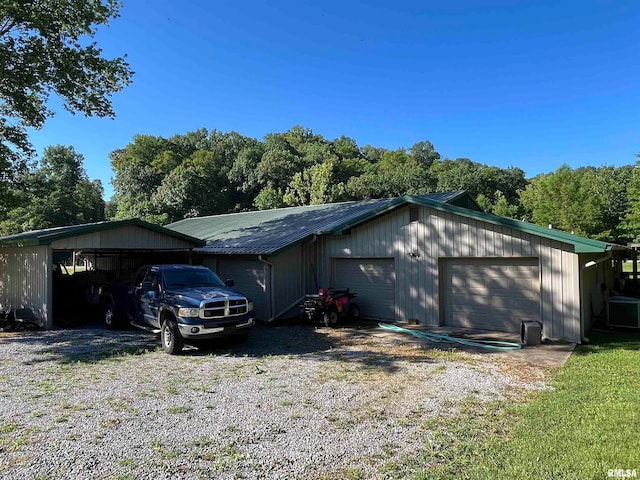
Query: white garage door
[
  {"x": 249, "y": 278},
  {"x": 491, "y": 294},
  {"x": 373, "y": 280}
]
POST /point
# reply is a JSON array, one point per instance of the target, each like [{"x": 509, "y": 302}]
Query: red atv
[{"x": 329, "y": 305}]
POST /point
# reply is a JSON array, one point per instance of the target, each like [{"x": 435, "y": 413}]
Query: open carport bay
[
  {"x": 31, "y": 274},
  {"x": 292, "y": 402},
  {"x": 76, "y": 291}
]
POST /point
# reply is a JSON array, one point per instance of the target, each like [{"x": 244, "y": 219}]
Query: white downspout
[{"x": 590, "y": 264}]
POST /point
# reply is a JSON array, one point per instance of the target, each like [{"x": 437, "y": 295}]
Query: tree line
[{"x": 201, "y": 173}]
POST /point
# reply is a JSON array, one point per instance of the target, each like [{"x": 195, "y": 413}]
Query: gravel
[{"x": 291, "y": 402}]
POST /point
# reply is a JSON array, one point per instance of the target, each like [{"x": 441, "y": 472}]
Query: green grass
[
  {"x": 627, "y": 267},
  {"x": 589, "y": 423}
]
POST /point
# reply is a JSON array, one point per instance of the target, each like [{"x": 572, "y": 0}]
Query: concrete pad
[{"x": 547, "y": 355}]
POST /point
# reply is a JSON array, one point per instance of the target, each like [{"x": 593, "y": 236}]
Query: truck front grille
[{"x": 224, "y": 308}]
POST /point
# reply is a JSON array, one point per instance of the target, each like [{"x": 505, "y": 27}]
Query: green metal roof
[
  {"x": 271, "y": 231},
  {"x": 266, "y": 232},
  {"x": 49, "y": 235}
]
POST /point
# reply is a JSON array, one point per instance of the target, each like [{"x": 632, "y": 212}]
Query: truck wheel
[
  {"x": 170, "y": 335},
  {"x": 109, "y": 316},
  {"x": 331, "y": 317},
  {"x": 354, "y": 311}
]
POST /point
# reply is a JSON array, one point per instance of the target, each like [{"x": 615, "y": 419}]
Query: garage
[
  {"x": 491, "y": 293},
  {"x": 372, "y": 279}
]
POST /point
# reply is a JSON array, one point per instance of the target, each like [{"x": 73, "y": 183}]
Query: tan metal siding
[
  {"x": 310, "y": 267},
  {"x": 443, "y": 234},
  {"x": 288, "y": 284},
  {"x": 249, "y": 277},
  {"x": 116, "y": 263},
  {"x": 25, "y": 280},
  {"x": 129, "y": 237},
  {"x": 571, "y": 296}
]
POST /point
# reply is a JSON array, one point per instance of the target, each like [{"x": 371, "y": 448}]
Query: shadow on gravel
[
  {"x": 351, "y": 343},
  {"x": 269, "y": 340},
  {"x": 86, "y": 345}
]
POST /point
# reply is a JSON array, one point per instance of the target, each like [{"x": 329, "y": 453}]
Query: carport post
[{"x": 635, "y": 265}]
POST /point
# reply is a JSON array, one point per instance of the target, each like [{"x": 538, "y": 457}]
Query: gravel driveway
[{"x": 292, "y": 402}]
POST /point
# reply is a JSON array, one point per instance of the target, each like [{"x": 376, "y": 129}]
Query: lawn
[{"x": 588, "y": 424}]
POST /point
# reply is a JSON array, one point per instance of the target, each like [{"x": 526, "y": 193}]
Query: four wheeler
[{"x": 328, "y": 305}]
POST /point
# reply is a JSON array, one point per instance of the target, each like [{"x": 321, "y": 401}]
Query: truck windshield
[{"x": 179, "y": 279}]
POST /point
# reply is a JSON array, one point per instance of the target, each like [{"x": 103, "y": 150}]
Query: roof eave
[
  {"x": 45, "y": 238},
  {"x": 22, "y": 243}
]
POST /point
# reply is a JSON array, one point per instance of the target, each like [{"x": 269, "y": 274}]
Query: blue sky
[{"x": 528, "y": 84}]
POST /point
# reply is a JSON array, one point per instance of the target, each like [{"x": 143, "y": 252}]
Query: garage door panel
[
  {"x": 486, "y": 322},
  {"x": 500, "y": 283},
  {"x": 464, "y": 291},
  {"x": 373, "y": 280},
  {"x": 522, "y": 283},
  {"x": 494, "y": 294},
  {"x": 525, "y": 300},
  {"x": 468, "y": 299},
  {"x": 500, "y": 302}
]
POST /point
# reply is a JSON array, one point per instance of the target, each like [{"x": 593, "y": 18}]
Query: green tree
[
  {"x": 56, "y": 193},
  {"x": 279, "y": 163},
  {"x": 139, "y": 170},
  {"x": 194, "y": 188},
  {"x": 396, "y": 173},
  {"x": 45, "y": 48},
  {"x": 606, "y": 202},
  {"x": 632, "y": 220},
  {"x": 554, "y": 199},
  {"x": 243, "y": 174},
  {"x": 588, "y": 201},
  {"x": 483, "y": 182},
  {"x": 269, "y": 197},
  {"x": 372, "y": 154},
  {"x": 424, "y": 153},
  {"x": 346, "y": 148},
  {"x": 311, "y": 186}
]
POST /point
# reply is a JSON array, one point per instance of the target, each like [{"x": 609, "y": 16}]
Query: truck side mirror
[
  {"x": 147, "y": 287},
  {"x": 229, "y": 283}
]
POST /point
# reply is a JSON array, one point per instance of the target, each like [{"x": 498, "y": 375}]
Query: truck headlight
[
  {"x": 249, "y": 306},
  {"x": 188, "y": 312}
]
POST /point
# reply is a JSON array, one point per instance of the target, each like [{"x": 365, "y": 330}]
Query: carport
[{"x": 29, "y": 274}]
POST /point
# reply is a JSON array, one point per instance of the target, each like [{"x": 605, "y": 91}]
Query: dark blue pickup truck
[{"x": 182, "y": 303}]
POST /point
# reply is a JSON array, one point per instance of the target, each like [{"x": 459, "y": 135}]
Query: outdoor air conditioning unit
[{"x": 623, "y": 312}]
